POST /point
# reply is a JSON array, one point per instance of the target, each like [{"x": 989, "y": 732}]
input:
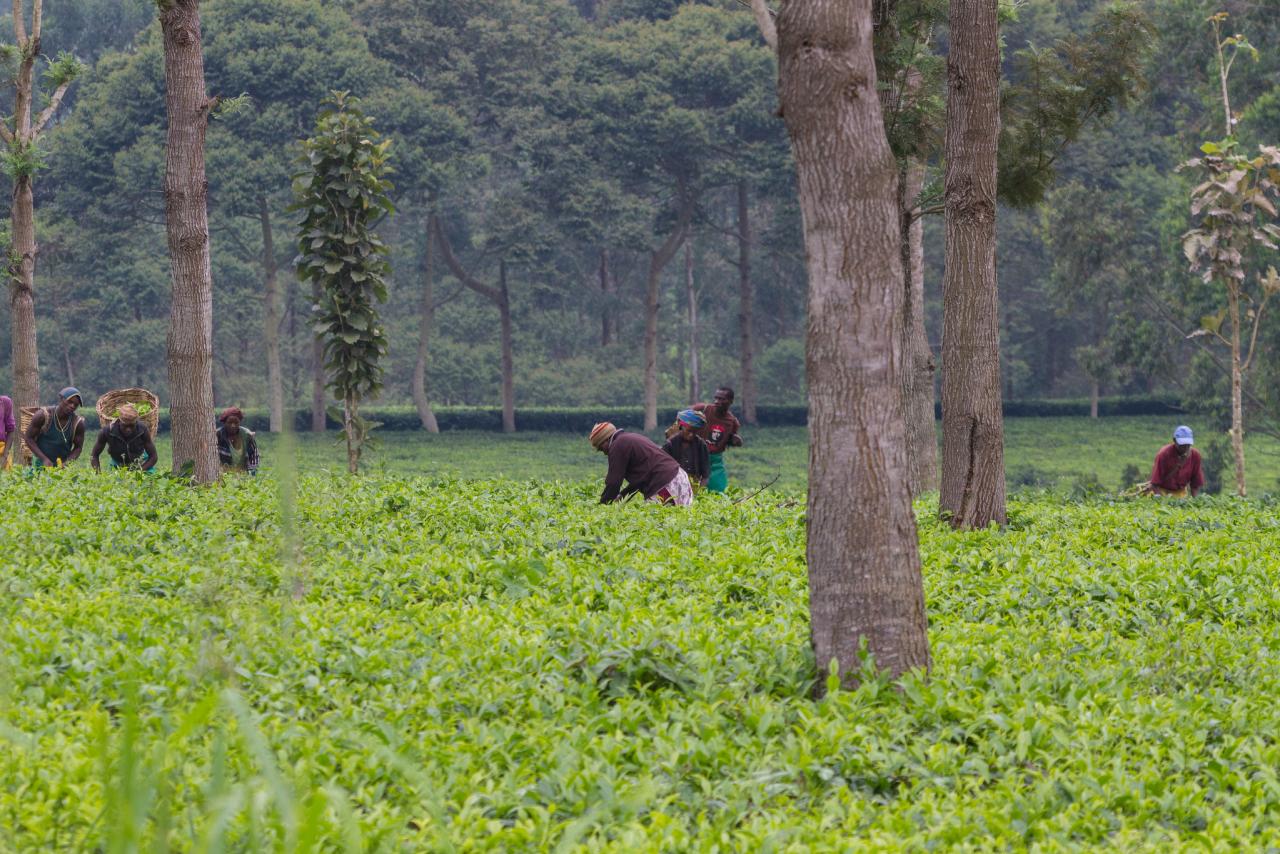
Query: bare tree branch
[
  {"x": 47, "y": 113},
  {"x": 764, "y": 20},
  {"x": 455, "y": 266}
]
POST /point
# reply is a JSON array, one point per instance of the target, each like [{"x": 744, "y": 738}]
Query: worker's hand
[{"x": 735, "y": 440}]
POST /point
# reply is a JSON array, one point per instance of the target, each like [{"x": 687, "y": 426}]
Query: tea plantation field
[{"x": 425, "y": 659}]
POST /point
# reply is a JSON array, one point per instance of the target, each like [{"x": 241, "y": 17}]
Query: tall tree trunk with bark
[
  {"x": 865, "y": 583},
  {"x": 190, "y": 339},
  {"x": 500, "y": 296},
  {"x": 319, "y": 397},
  {"x": 695, "y": 376},
  {"x": 20, "y": 133},
  {"x": 22, "y": 307},
  {"x": 426, "y": 320},
  {"x": 508, "y": 355},
  {"x": 658, "y": 260},
  {"x": 917, "y": 379},
  {"x": 973, "y": 490},
  {"x": 746, "y": 309},
  {"x": 608, "y": 289},
  {"x": 271, "y": 320}
]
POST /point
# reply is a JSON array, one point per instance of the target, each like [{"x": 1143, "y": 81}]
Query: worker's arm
[
  {"x": 77, "y": 444},
  {"x": 614, "y": 477},
  {"x": 152, "y": 456},
  {"x": 704, "y": 462},
  {"x": 33, "y": 433},
  {"x": 96, "y": 453},
  {"x": 1197, "y": 479}
]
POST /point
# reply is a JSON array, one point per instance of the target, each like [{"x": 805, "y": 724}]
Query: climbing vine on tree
[{"x": 343, "y": 194}]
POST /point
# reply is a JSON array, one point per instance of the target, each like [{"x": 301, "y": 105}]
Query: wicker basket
[
  {"x": 25, "y": 414},
  {"x": 113, "y": 400}
]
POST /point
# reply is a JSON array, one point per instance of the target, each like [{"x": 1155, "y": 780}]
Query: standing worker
[
  {"x": 55, "y": 435},
  {"x": 720, "y": 431},
  {"x": 687, "y": 448},
  {"x": 642, "y": 464},
  {"x": 1177, "y": 469},
  {"x": 126, "y": 442}
]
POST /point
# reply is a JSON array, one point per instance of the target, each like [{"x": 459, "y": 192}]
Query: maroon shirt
[
  {"x": 1175, "y": 474},
  {"x": 646, "y": 467},
  {"x": 719, "y": 429}
]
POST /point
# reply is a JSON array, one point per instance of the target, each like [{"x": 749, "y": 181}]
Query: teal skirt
[{"x": 719, "y": 478}]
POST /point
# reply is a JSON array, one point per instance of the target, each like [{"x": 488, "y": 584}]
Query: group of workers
[
  {"x": 55, "y": 437},
  {"x": 692, "y": 458}
]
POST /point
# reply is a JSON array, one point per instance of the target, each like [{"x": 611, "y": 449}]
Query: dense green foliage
[
  {"x": 502, "y": 664},
  {"x": 545, "y": 131}
]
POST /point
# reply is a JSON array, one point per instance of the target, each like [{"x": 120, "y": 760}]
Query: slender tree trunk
[
  {"x": 917, "y": 385},
  {"x": 608, "y": 323},
  {"x": 319, "y": 395},
  {"x": 66, "y": 360},
  {"x": 658, "y": 260},
  {"x": 746, "y": 309},
  {"x": 190, "y": 339},
  {"x": 1237, "y": 386},
  {"x": 1095, "y": 392},
  {"x": 865, "y": 582},
  {"x": 695, "y": 377},
  {"x": 973, "y": 490},
  {"x": 22, "y": 308},
  {"x": 271, "y": 322},
  {"x": 350, "y": 412},
  {"x": 508, "y": 358},
  {"x": 426, "y": 320}
]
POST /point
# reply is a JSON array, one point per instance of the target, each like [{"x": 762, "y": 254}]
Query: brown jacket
[{"x": 645, "y": 467}]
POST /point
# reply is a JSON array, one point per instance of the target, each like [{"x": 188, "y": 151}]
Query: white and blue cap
[{"x": 1182, "y": 435}]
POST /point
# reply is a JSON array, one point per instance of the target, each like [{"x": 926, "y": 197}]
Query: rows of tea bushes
[
  {"x": 416, "y": 663},
  {"x": 581, "y": 419}
]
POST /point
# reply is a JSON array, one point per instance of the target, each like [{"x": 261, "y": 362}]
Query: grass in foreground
[{"x": 499, "y": 665}]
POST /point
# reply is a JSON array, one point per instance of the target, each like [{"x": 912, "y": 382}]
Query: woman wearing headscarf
[
  {"x": 237, "y": 447},
  {"x": 688, "y": 449}
]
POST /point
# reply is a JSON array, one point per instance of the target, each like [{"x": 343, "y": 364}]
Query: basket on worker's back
[
  {"x": 25, "y": 414},
  {"x": 109, "y": 405}
]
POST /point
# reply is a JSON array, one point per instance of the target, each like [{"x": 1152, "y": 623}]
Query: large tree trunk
[
  {"x": 917, "y": 379},
  {"x": 22, "y": 307},
  {"x": 746, "y": 310},
  {"x": 695, "y": 375},
  {"x": 973, "y": 491},
  {"x": 319, "y": 396},
  {"x": 508, "y": 357},
  {"x": 865, "y": 582},
  {"x": 1237, "y": 386},
  {"x": 658, "y": 260},
  {"x": 426, "y": 320},
  {"x": 271, "y": 322},
  {"x": 190, "y": 339}
]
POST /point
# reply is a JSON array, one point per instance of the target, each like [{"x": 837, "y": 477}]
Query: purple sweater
[{"x": 7, "y": 425}]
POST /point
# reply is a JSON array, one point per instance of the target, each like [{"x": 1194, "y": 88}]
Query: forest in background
[{"x": 566, "y": 146}]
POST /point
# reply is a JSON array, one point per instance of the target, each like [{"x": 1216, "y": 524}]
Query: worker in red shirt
[
  {"x": 720, "y": 432},
  {"x": 1177, "y": 469}
]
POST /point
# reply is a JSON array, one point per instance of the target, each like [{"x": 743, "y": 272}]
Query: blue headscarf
[{"x": 692, "y": 419}]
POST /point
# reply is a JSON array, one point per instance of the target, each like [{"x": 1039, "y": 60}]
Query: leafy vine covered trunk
[
  {"x": 865, "y": 582},
  {"x": 190, "y": 338},
  {"x": 22, "y": 304},
  {"x": 658, "y": 260},
  {"x": 973, "y": 489}
]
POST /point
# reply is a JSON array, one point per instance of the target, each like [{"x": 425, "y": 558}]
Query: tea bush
[{"x": 430, "y": 663}]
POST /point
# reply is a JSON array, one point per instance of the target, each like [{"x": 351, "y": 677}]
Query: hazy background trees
[{"x": 530, "y": 128}]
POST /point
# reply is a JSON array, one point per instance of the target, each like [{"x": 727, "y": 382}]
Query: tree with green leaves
[
  {"x": 343, "y": 195},
  {"x": 20, "y": 135}
]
